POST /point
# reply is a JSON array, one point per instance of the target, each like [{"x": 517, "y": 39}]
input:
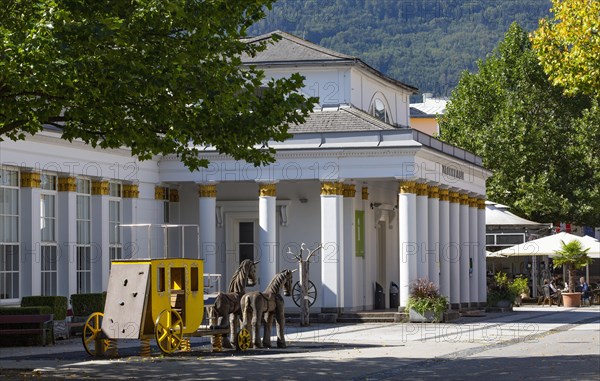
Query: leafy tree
[
  {"x": 568, "y": 45},
  {"x": 157, "y": 76},
  {"x": 541, "y": 145}
]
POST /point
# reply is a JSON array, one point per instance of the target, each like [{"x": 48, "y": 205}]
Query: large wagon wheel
[
  {"x": 92, "y": 330},
  {"x": 243, "y": 341},
  {"x": 311, "y": 292},
  {"x": 168, "y": 331}
]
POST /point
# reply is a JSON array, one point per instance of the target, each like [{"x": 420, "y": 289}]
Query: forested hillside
[{"x": 424, "y": 43}]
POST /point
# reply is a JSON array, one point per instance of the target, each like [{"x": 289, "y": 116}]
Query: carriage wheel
[
  {"x": 168, "y": 331},
  {"x": 243, "y": 341},
  {"x": 311, "y": 293},
  {"x": 92, "y": 330}
]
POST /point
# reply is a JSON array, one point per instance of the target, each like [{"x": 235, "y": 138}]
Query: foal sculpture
[
  {"x": 261, "y": 307},
  {"x": 227, "y": 304}
]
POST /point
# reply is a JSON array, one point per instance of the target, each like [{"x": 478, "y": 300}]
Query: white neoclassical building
[{"x": 386, "y": 202}]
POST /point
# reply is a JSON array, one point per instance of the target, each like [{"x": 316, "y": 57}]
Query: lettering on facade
[{"x": 453, "y": 172}]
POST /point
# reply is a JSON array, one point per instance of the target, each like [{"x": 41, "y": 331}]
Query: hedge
[
  {"x": 58, "y": 304},
  {"x": 37, "y": 310},
  {"x": 87, "y": 304}
]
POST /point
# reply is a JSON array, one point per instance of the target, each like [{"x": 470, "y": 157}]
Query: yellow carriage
[{"x": 160, "y": 298}]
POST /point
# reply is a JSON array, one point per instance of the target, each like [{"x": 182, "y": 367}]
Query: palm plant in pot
[
  {"x": 425, "y": 304},
  {"x": 573, "y": 256}
]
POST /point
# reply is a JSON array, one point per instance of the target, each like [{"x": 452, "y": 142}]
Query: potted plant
[
  {"x": 425, "y": 304},
  {"x": 573, "y": 256},
  {"x": 500, "y": 292},
  {"x": 520, "y": 287}
]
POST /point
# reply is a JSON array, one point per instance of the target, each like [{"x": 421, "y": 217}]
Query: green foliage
[
  {"x": 87, "y": 304},
  {"x": 425, "y": 296},
  {"x": 541, "y": 145},
  {"x": 426, "y": 43},
  {"x": 157, "y": 76},
  {"x": 573, "y": 257},
  {"x": 37, "y": 310},
  {"x": 58, "y": 304},
  {"x": 500, "y": 289},
  {"x": 519, "y": 285},
  {"x": 568, "y": 46}
]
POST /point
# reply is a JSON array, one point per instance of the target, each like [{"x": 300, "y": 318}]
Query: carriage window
[
  {"x": 177, "y": 278},
  {"x": 161, "y": 279},
  {"x": 194, "y": 279},
  {"x": 246, "y": 244}
]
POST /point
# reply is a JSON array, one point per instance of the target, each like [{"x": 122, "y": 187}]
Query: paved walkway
[{"x": 533, "y": 342}]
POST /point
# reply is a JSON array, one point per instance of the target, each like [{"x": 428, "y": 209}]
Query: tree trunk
[{"x": 304, "y": 305}]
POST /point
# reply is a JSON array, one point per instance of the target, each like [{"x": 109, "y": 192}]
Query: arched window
[{"x": 379, "y": 110}]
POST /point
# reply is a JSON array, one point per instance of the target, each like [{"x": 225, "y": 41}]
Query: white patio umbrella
[{"x": 548, "y": 245}]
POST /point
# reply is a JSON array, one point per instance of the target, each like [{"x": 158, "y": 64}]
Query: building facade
[{"x": 386, "y": 202}]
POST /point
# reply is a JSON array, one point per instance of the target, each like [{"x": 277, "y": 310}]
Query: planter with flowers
[{"x": 425, "y": 304}]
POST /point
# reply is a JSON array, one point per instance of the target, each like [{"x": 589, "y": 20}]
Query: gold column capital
[
  {"x": 454, "y": 197},
  {"x": 444, "y": 195},
  {"x": 173, "y": 195},
  {"x": 130, "y": 191},
  {"x": 332, "y": 188},
  {"x": 407, "y": 186},
  {"x": 464, "y": 199},
  {"x": 434, "y": 191},
  {"x": 349, "y": 190},
  {"x": 481, "y": 203},
  {"x": 31, "y": 179},
  {"x": 472, "y": 202},
  {"x": 267, "y": 189},
  {"x": 100, "y": 187},
  {"x": 67, "y": 184},
  {"x": 365, "y": 193},
  {"x": 207, "y": 190},
  {"x": 159, "y": 193},
  {"x": 422, "y": 189}
]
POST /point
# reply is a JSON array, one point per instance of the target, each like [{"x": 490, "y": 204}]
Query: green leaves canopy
[
  {"x": 157, "y": 76},
  {"x": 573, "y": 257},
  {"x": 542, "y": 146}
]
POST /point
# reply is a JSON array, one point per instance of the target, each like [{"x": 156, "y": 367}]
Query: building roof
[
  {"x": 429, "y": 107},
  {"x": 292, "y": 50},
  {"x": 498, "y": 215},
  {"x": 340, "y": 119}
]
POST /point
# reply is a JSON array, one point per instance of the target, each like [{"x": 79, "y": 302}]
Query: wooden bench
[{"x": 28, "y": 325}]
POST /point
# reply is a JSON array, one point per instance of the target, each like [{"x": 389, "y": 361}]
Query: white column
[
  {"x": 67, "y": 236},
  {"x": 332, "y": 238},
  {"x": 481, "y": 252},
  {"x": 464, "y": 250},
  {"x": 131, "y": 246},
  {"x": 422, "y": 231},
  {"x": 407, "y": 217},
  {"x": 267, "y": 233},
  {"x": 100, "y": 256},
  {"x": 473, "y": 253},
  {"x": 444, "y": 240},
  {"x": 30, "y": 234},
  {"x": 348, "y": 288},
  {"x": 454, "y": 249},
  {"x": 433, "y": 225},
  {"x": 207, "y": 211}
]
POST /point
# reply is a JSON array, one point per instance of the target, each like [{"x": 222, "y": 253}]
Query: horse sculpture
[
  {"x": 227, "y": 304},
  {"x": 261, "y": 307}
]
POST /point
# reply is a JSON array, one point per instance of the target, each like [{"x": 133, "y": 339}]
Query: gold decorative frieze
[
  {"x": 434, "y": 192},
  {"x": 31, "y": 180},
  {"x": 349, "y": 190},
  {"x": 464, "y": 199},
  {"x": 131, "y": 191},
  {"x": 267, "y": 190},
  {"x": 330, "y": 188},
  {"x": 422, "y": 189},
  {"x": 207, "y": 190},
  {"x": 408, "y": 187},
  {"x": 173, "y": 195},
  {"x": 481, "y": 203},
  {"x": 67, "y": 184},
  {"x": 454, "y": 197},
  {"x": 444, "y": 195},
  {"x": 365, "y": 193},
  {"x": 101, "y": 188}
]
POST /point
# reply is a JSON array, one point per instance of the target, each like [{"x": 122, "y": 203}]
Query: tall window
[
  {"x": 48, "y": 235},
  {"x": 246, "y": 244},
  {"x": 84, "y": 248},
  {"x": 9, "y": 234},
  {"x": 166, "y": 206},
  {"x": 379, "y": 111},
  {"x": 114, "y": 220}
]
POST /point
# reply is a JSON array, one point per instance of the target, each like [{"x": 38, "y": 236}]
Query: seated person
[{"x": 584, "y": 289}]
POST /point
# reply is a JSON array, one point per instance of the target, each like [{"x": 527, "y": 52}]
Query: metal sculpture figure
[
  {"x": 227, "y": 304},
  {"x": 262, "y": 307}
]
